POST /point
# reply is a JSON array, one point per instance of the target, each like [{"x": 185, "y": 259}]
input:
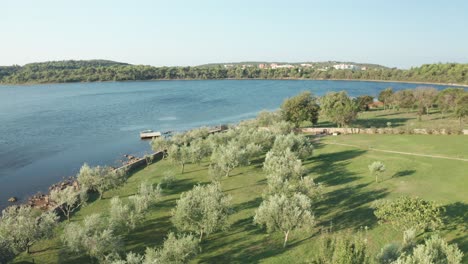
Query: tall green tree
[
  {"x": 425, "y": 97},
  {"x": 403, "y": 99},
  {"x": 447, "y": 98},
  {"x": 385, "y": 95},
  {"x": 339, "y": 108},
  {"x": 300, "y": 108},
  {"x": 461, "y": 108},
  {"x": 363, "y": 102}
]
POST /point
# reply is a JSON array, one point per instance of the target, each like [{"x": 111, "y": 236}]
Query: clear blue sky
[{"x": 172, "y": 32}]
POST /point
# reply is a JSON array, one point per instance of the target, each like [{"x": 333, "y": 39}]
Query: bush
[{"x": 342, "y": 248}]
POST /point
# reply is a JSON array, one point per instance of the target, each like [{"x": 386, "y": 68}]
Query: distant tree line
[{"x": 101, "y": 70}]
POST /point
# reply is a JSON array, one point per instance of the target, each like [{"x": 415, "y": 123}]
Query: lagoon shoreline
[{"x": 244, "y": 79}]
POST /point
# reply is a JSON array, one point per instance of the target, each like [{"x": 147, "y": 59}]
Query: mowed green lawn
[
  {"x": 349, "y": 193},
  {"x": 403, "y": 118}
]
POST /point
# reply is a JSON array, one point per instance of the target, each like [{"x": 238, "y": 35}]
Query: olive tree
[
  {"x": 175, "y": 250},
  {"x": 339, "y": 108},
  {"x": 286, "y": 175},
  {"x": 180, "y": 155},
  {"x": 405, "y": 213},
  {"x": 376, "y": 168},
  {"x": 126, "y": 216},
  {"x": 203, "y": 210},
  {"x": 262, "y": 137},
  {"x": 283, "y": 171},
  {"x": 267, "y": 118},
  {"x": 281, "y": 128},
  {"x": 69, "y": 199},
  {"x": 199, "y": 149},
  {"x": 100, "y": 179},
  {"x": 23, "y": 226},
  {"x": 226, "y": 158},
  {"x": 299, "y": 144},
  {"x": 300, "y": 108},
  {"x": 93, "y": 237},
  {"x": 434, "y": 250},
  {"x": 285, "y": 214}
]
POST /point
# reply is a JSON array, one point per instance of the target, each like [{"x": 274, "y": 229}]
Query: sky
[{"x": 192, "y": 32}]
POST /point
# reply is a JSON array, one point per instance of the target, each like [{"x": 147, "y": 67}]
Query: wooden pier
[{"x": 149, "y": 134}]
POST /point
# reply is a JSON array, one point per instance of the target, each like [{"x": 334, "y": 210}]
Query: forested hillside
[{"x": 101, "y": 70}]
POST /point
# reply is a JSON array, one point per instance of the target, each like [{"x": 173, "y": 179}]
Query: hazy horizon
[{"x": 189, "y": 33}]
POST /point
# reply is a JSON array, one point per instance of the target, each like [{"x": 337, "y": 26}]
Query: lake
[{"x": 48, "y": 131}]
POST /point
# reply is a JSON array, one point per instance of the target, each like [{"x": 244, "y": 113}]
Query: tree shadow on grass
[
  {"x": 332, "y": 167},
  {"x": 248, "y": 205},
  {"x": 403, "y": 173},
  {"x": 180, "y": 186},
  {"x": 381, "y": 122},
  {"x": 349, "y": 207},
  {"x": 243, "y": 250},
  {"x": 149, "y": 234},
  {"x": 456, "y": 219}
]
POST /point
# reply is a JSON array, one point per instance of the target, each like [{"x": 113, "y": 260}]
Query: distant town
[{"x": 320, "y": 67}]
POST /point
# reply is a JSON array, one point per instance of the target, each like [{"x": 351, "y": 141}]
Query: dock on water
[{"x": 149, "y": 134}]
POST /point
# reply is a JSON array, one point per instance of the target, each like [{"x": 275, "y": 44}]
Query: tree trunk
[
  {"x": 68, "y": 216},
  {"x": 101, "y": 194},
  {"x": 28, "y": 251},
  {"x": 183, "y": 167},
  {"x": 227, "y": 172},
  {"x": 286, "y": 234},
  {"x": 201, "y": 235},
  {"x": 376, "y": 177}
]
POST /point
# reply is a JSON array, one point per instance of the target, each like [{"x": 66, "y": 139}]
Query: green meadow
[
  {"x": 403, "y": 118},
  {"x": 349, "y": 192}
]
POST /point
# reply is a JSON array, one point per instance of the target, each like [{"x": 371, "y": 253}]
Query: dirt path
[{"x": 398, "y": 152}]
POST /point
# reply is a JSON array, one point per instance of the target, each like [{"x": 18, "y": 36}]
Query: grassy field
[
  {"x": 349, "y": 192},
  {"x": 403, "y": 119}
]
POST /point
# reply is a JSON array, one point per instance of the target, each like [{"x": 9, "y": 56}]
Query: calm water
[{"x": 48, "y": 131}]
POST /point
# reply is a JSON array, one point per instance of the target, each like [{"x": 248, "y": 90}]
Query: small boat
[{"x": 149, "y": 134}]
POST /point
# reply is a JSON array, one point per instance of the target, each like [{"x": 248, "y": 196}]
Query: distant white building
[
  {"x": 344, "y": 66},
  {"x": 277, "y": 66},
  {"x": 306, "y": 65}
]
